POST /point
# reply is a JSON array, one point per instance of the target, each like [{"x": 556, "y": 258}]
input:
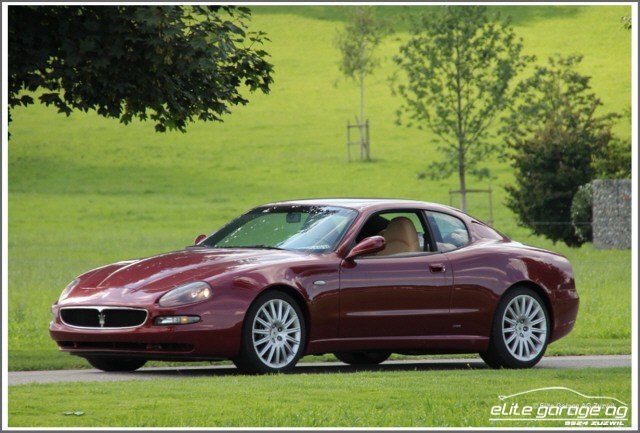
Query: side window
[
  {"x": 449, "y": 231},
  {"x": 404, "y": 232}
]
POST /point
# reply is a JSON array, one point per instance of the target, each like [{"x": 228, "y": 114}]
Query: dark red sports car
[{"x": 360, "y": 278}]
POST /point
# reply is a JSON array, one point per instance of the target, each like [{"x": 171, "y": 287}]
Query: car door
[
  {"x": 399, "y": 293},
  {"x": 472, "y": 299}
]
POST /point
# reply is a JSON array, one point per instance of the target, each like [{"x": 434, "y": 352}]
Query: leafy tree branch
[{"x": 170, "y": 64}]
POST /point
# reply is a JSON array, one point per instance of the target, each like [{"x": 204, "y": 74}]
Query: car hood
[{"x": 164, "y": 272}]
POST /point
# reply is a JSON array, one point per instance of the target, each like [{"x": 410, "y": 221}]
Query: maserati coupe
[{"x": 359, "y": 278}]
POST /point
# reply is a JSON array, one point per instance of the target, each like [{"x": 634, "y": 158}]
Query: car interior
[
  {"x": 399, "y": 232},
  {"x": 401, "y": 237}
]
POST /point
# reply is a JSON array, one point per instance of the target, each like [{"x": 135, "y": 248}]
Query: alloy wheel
[
  {"x": 524, "y": 328},
  {"x": 276, "y": 333}
]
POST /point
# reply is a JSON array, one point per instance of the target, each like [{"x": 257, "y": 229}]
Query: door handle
[{"x": 437, "y": 267}]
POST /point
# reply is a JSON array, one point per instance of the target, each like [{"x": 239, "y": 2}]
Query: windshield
[{"x": 301, "y": 228}]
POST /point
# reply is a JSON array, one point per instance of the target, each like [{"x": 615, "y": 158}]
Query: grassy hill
[{"x": 85, "y": 191}]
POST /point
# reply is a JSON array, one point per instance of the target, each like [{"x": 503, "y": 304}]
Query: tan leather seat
[{"x": 401, "y": 237}]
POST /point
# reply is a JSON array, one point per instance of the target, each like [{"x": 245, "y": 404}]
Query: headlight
[
  {"x": 176, "y": 320},
  {"x": 186, "y": 294},
  {"x": 68, "y": 289}
]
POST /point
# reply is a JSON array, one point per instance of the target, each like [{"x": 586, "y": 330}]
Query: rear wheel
[
  {"x": 112, "y": 363},
  {"x": 274, "y": 335},
  {"x": 362, "y": 358},
  {"x": 520, "y": 332}
]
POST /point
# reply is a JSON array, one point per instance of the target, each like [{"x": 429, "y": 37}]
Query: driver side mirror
[
  {"x": 199, "y": 239},
  {"x": 366, "y": 246}
]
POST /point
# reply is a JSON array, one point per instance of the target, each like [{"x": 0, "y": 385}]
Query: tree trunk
[
  {"x": 463, "y": 186},
  {"x": 461, "y": 135},
  {"x": 363, "y": 142},
  {"x": 363, "y": 149}
]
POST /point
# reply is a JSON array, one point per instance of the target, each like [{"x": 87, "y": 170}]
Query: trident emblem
[{"x": 101, "y": 319}]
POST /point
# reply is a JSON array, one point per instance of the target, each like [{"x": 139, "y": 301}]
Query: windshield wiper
[
  {"x": 265, "y": 247},
  {"x": 262, "y": 247}
]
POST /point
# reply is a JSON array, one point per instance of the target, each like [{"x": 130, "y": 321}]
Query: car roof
[{"x": 362, "y": 204}]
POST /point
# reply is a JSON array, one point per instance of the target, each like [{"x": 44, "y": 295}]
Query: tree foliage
[
  {"x": 357, "y": 43},
  {"x": 459, "y": 64},
  {"x": 614, "y": 160},
  {"x": 554, "y": 134},
  {"x": 626, "y": 22},
  {"x": 170, "y": 64}
]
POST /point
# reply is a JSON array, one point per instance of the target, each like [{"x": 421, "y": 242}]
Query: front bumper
[{"x": 216, "y": 336}]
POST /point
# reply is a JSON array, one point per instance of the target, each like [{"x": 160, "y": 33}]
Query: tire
[
  {"x": 520, "y": 331},
  {"x": 273, "y": 336},
  {"x": 112, "y": 363},
  {"x": 362, "y": 358}
]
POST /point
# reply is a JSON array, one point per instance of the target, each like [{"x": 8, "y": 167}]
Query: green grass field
[
  {"x": 459, "y": 398},
  {"x": 85, "y": 191}
]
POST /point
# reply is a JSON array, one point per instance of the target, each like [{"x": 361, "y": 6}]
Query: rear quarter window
[{"x": 485, "y": 232}]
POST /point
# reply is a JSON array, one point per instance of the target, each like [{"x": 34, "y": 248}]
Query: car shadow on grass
[{"x": 315, "y": 368}]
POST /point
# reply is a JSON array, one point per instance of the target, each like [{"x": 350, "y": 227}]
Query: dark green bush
[{"x": 582, "y": 213}]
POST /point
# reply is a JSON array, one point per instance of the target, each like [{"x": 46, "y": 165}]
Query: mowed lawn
[
  {"x": 449, "y": 398},
  {"x": 86, "y": 191}
]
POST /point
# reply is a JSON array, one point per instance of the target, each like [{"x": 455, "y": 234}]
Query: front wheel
[
  {"x": 112, "y": 363},
  {"x": 274, "y": 335},
  {"x": 520, "y": 331},
  {"x": 362, "y": 358}
]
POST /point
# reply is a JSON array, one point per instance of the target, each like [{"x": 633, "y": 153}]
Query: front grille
[{"x": 103, "y": 317}]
